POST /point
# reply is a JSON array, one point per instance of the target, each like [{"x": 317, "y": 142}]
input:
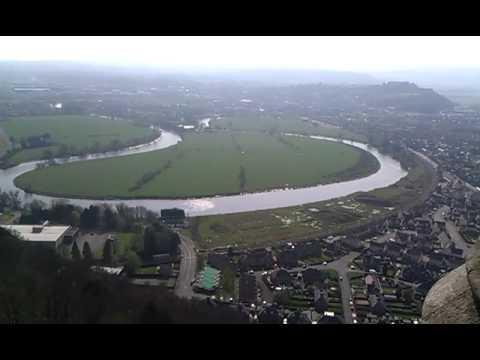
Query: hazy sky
[{"x": 334, "y": 53}]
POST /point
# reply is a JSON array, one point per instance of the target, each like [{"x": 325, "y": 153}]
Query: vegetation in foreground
[
  {"x": 43, "y": 137},
  {"x": 206, "y": 164},
  {"x": 38, "y": 286}
]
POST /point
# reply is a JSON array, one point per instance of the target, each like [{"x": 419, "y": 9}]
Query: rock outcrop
[{"x": 455, "y": 298}]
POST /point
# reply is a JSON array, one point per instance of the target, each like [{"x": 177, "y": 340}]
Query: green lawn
[
  {"x": 207, "y": 164},
  {"x": 6, "y": 217},
  {"x": 269, "y": 227},
  {"x": 78, "y": 131},
  {"x": 272, "y": 124},
  {"x": 151, "y": 270},
  {"x": 125, "y": 242}
]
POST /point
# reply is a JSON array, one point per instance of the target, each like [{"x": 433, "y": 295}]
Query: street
[
  {"x": 451, "y": 228},
  {"x": 341, "y": 266},
  {"x": 188, "y": 266}
]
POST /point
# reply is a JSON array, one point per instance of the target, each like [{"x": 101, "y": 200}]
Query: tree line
[{"x": 39, "y": 286}]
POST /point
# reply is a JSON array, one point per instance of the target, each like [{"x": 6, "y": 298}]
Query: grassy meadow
[
  {"x": 270, "y": 124},
  {"x": 205, "y": 164},
  {"x": 77, "y": 131}
]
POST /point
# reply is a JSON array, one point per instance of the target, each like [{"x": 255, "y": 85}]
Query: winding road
[{"x": 188, "y": 267}]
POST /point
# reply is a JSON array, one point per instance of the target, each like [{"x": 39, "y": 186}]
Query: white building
[{"x": 42, "y": 234}]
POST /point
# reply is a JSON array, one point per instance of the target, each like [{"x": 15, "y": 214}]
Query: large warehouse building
[{"x": 40, "y": 234}]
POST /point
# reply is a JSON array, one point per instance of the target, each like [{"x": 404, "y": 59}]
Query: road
[
  {"x": 458, "y": 239},
  {"x": 341, "y": 266},
  {"x": 188, "y": 266},
  {"x": 452, "y": 230}
]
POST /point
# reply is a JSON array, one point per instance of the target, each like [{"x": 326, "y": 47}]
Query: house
[
  {"x": 376, "y": 248},
  {"x": 444, "y": 240},
  {"x": 373, "y": 262},
  {"x": 308, "y": 249},
  {"x": 405, "y": 236},
  {"x": 172, "y": 216},
  {"x": 165, "y": 270},
  {"x": 159, "y": 259},
  {"x": 39, "y": 234},
  {"x": 372, "y": 284},
  {"x": 219, "y": 260},
  {"x": 393, "y": 250},
  {"x": 313, "y": 276},
  {"x": 423, "y": 225},
  {"x": 320, "y": 299},
  {"x": 287, "y": 258},
  {"x": 351, "y": 243},
  {"x": 270, "y": 314},
  {"x": 71, "y": 235},
  {"x": 413, "y": 255},
  {"x": 377, "y": 305},
  {"x": 330, "y": 318},
  {"x": 298, "y": 317},
  {"x": 116, "y": 271},
  {"x": 438, "y": 261},
  {"x": 247, "y": 292},
  {"x": 455, "y": 251},
  {"x": 280, "y": 277},
  {"x": 257, "y": 259}
]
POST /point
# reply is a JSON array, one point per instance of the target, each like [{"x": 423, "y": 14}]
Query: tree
[
  {"x": 75, "y": 252},
  {"x": 62, "y": 150},
  {"x": 159, "y": 239},
  {"x": 14, "y": 199},
  {"x": 133, "y": 263},
  {"x": 152, "y": 315},
  {"x": 408, "y": 294},
  {"x": 108, "y": 252},
  {"x": 242, "y": 178},
  {"x": 87, "y": 252},
  {"x": 110, "y": 219},
  {"x": 89, "y": 218},
  {"x": 48, "y": 154}
]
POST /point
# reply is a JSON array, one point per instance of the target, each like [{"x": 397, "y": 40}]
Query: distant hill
[
  {"x": 400, "y": 96},
  {"x": 72, "y": 73},
  {"x": 28, "y": 71},
  {"x": 292, "y": 76},
  {"x": 439, "y": 79}
]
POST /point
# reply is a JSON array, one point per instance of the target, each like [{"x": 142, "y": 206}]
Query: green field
[
  {"x": 269, "y": 124},
  {"x": 79, "y": 133},
  {"x": 206, "y": 164},
  {"x": 297, "y": 223}
]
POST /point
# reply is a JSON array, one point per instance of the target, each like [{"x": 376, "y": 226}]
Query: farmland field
[
  {"x": 206, "y": 164},
  {"x": 78, "y": 133},
  {"x": 269, "y": 124}
]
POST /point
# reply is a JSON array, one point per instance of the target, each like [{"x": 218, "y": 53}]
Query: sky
[{"x": 225, "y": 52}]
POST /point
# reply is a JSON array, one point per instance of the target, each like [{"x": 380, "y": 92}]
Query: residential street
[
  {"x": 341, "y": 266},
  {"x": 458, "y": 239},
  {"x": 451, "y": 228},
  {"x": 188, "y": 267}
]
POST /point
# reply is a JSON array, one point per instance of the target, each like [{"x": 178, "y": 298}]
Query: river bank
[{"x": 389, "y": 173}]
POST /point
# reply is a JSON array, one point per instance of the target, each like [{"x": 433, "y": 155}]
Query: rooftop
[
  {"x": 209, "y": 278},
  {"x": 38, "y": 233}
]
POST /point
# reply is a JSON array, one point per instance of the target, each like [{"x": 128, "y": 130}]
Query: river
[{"x": 389, "y": 173}]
